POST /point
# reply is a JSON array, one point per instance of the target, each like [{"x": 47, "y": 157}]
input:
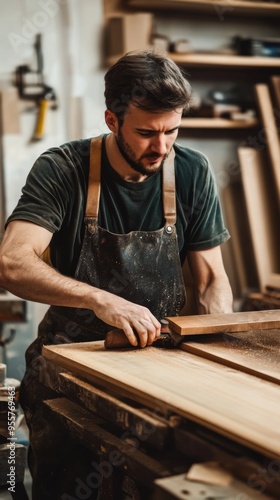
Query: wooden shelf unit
[{"x": 230, "y": 7}]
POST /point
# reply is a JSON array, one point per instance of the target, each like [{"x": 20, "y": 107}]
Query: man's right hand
[{"x": 127, "y": 316}]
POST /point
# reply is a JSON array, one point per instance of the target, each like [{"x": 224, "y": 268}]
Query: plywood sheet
[
  {"x": 228, "y": 322},
  {"x": 257, "y": 352},
  {"x": 236, "y": 404},
  {"x": 262, "y": 210},
  {"x": 244, "y": 271}
]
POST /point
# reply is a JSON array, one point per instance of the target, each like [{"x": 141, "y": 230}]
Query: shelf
[
  {"x": 214, "y": 123},
  {"x": 204, "y": 60},
  {"x": 220, "y": 7},
  {"x": 221, "y": 60},
  {"x": 210, "y": 60}
]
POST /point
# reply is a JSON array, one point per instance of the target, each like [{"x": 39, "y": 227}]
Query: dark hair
[{"x": 148, "y": 80}]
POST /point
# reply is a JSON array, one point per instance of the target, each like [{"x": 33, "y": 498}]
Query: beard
[{"x": 136, "y": 163}]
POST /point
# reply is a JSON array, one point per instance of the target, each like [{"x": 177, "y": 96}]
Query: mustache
[{"x": 153, "y": 156}]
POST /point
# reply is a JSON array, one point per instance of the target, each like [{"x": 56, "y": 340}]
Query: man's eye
[{"x": 145, "y": 134}]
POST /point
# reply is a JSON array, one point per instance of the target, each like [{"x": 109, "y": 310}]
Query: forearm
[
  {"x": 32, "y": 279},
  {"x": 28, "y": 277},
  {"x": 215, "y": 297}
]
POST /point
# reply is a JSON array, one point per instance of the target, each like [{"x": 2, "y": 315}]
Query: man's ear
[{"x": 111, "y": 121}]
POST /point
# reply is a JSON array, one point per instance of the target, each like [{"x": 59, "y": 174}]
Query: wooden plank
[
  {"x": 228, "y": 322},
  {"x": 242, "y": 270},
  {"x": 255, "y": 352},
  {"x": 121, "y": 452},
  {"x": 145, "y": 427},
  {"x": 232, "y": 403},
  {"x": 268, "y": 118},
  {"x": 262, "y": 212}
]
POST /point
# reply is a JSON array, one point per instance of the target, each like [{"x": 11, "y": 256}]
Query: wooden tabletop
[{"x": 239, "y": 405}]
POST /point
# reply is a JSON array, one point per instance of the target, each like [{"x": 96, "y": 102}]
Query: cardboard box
[{"x": 128, "y": 32}]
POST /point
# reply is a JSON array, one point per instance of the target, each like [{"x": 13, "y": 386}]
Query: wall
[{"x": 71, "y": 40}]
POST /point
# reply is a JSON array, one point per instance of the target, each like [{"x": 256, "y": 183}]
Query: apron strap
[
  {"x": 94, "y": 184},
  {"x": 169, "y": 198}
]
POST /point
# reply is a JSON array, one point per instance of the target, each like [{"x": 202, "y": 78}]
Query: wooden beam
[
  {"x": 262, "y": 212},
  {"x": 272, "y": 140}
]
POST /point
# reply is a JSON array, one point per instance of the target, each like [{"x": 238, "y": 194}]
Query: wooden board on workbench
[
  {"x": 229, "y": 322},
  {"x": 257, "y": 352},
  {"x": 235, "y": 404}
]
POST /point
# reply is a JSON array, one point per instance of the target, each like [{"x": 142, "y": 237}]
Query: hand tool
[
  {"x": 31, "y": 87},
  {"x": 116, "y": 339}
]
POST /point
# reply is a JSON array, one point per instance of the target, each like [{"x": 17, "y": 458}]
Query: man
[{"x": 116, "y": 233}]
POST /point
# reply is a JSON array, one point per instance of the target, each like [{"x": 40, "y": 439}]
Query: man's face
[{"x": 145, "y": 138}]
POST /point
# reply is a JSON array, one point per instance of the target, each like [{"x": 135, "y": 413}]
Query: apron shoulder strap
[
  {"x": 169, "y": 198},
  {"x": 93, "y": 195}
]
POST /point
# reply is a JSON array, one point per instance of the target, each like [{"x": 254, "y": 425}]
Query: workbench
[{"x": 197, "y": 422}]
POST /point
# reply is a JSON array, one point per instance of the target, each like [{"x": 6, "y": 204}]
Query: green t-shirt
[{"x": 55, "y": 192}]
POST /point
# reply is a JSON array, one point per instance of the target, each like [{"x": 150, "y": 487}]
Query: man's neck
[{"x": 118, "y": 162}]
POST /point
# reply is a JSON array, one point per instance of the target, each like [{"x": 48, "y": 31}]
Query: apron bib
[{"x": 141, "y": 266}]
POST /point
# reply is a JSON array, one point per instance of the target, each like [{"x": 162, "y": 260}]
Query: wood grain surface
[
  {"x": 236, "y": 404},
  {"x": 257, "y": 352},
  {"x": 228, "y": 322}
]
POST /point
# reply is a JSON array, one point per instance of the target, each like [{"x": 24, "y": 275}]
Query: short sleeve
[
  {"x": 46, "y": 193},
  {"x": 206, "y": 227}
]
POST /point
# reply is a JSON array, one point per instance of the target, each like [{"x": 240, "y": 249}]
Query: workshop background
[{"x": 232, "y": 58}]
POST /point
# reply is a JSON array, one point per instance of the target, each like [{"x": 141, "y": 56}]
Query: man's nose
[{"x": 159, "y": 145}]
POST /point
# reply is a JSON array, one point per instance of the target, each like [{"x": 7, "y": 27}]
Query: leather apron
[{"x": 141, "y": 266}]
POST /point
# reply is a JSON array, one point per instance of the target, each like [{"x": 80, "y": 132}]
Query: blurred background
[{"x": 53, "y": 57}]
